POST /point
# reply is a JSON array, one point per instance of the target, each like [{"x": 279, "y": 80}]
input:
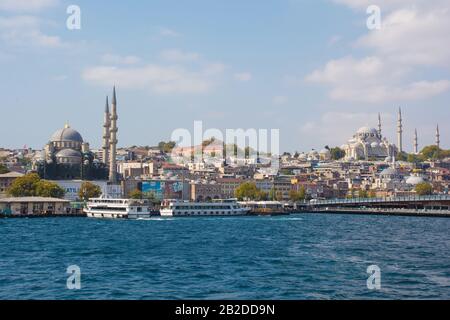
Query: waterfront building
[
  {"x": 205, "y": 191},
  {"x": 72, "y": 187},
  {"x": 6, "y": 180},
  {"x": 34, "y": 206}
]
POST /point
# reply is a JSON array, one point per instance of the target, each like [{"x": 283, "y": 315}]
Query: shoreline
[{"x": 399, "y": 213}]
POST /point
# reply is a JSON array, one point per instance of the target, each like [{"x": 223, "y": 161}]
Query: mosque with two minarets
[{"x": 67, "y": 156}]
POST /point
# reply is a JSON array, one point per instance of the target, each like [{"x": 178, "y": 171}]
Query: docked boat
[
  {"x": 110, "y": 208},
  {"x": 178, "y": 208}
]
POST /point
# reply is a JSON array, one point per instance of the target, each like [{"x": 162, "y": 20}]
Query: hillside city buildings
[{"x": 370, "y": 167}]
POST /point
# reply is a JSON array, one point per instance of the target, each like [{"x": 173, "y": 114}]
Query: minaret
[
  {"x": 379, "y": 124},
  {"x": 113, "y": 139},
  {"x": 400, "y": 131},
  {"x": 106, "y": 134},
  {"x": 416, "y": 143},
  {"x": 438, "y": 137}
]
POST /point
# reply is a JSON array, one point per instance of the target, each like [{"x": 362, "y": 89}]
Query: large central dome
[{"x": 66, "y": 134}]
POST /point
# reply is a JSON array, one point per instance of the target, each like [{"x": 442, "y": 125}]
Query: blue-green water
[{"x": 292, "y": 257}]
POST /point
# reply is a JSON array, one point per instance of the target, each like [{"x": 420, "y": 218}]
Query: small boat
[
  {"x": 178, "y": 208},
  {"x": 110, "y": 208}
]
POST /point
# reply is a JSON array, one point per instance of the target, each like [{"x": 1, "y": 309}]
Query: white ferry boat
[
  {"x": 178, "y": 208},
  {"x": 110, "y": 208}
]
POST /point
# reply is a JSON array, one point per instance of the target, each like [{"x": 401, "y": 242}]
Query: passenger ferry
[
  {"x": 110, "y": 208},
  {"x": 178, "y": 208}
]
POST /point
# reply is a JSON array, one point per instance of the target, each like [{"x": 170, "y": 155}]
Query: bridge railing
[{"x": 443, "y": 197}]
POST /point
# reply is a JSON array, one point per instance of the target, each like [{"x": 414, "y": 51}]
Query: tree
[
  {"x": 434, "y": 153},
  {"x": 337, "y": 153},
  {"x": 247, "y": 190},
  {"x": 424, "y": 189},
  {"x": 49, "y": 189},
  {"x": 297, "y": 196},
  {"x": 3, "y": 169},
  {"x": 31, "y": 185},
  {"x": 89, "y": 190},
  {"x": 24, "y": 186},
  {"x": 166, "y": 147},
  {"x": 363, "y": 193},
  {"x": 272, "y": 194},
  {"x": 136, "y": 194},
  {"x": 402, "y": 156},
  {"x": 262, "y": 196},
  {"x": 413, "y": 158}
]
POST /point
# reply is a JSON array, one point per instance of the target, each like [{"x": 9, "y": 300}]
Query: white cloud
[
  {"x": 25, "y": 31},
  {"x": 373, "y": 80},
  {"x": 243, "y": 76},
  {"x": 158, "y": 79},
  {"x": 117, "y": 59},
  {"x": 26, "y": 5},
  {"x": 413, "y": 36},
  {"x": 175, "y": 55},
  {"x": 167, "y": 32}
]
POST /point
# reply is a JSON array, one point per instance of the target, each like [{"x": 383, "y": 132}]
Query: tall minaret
[
  {"x": 438, "y": 137},
  {"x": 416, "y": 143},
  {"x": 400, "y": 130},
  {"x": 106, "y": 134},
  {"x": 379, "y": 124},
  {"x": 113, "y": 140}
]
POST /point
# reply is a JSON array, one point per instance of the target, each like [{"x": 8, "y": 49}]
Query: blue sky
[{"x": 309, "y": 68}]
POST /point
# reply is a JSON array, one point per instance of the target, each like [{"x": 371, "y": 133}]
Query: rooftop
[{"x": 32, "y": 199}]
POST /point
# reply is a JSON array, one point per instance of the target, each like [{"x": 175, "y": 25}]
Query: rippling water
[{"x": 292, "y": 257}]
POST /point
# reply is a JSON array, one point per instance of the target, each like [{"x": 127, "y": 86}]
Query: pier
[{"x": 424, "y": 206}]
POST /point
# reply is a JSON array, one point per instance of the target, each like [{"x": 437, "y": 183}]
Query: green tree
[
  {"x": 363, "y": 193},
  {"x": 166, "y": 147},
  {"x": 297, "y": 196},
  {"x": 433, "y": 153},
  {"x": 136, "y": 194},
  {"x": 272, "y": 194},
  {"x": 89, "y": 190},
  {"x": 337, "y": 153},
  {"x": 413, "y": 158},
  {"x": 424, "y": 189},
  {"x": 262, "y": 196},
  {"x": 402, "y": 156},
  {"x": 247, "y": 190},
  {"x": 3, "y": 169},
  {"x": 49, "y": 189},
  {"x": 30, "y": 185},
  {"x": 24, "y": 186}
]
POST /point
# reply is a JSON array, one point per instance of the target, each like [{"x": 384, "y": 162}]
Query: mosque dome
[
  {"x": 68, "y": 156},
  {"x": 367, "y": 130},
  {"x": 414, "y": 180},
  {"x": 66, "y": 134},
  {"x": 389, "y": 172}
]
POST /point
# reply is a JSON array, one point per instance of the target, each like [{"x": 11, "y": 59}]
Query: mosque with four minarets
[{"x": 369, "y": 143}]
